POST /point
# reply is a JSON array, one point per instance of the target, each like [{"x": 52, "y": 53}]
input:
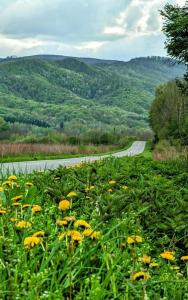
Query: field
[{"x": 115, "y": 229}]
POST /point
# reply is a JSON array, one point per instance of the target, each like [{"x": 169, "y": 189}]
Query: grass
[
  {"x": 31, "y": 152},
  {"x": 119, "y": 199}
]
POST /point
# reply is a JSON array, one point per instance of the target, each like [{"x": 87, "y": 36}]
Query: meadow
[{"x": 114, "y": 229}]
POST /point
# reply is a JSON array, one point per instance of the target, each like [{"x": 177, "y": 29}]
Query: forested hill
[{"x": 75, "y": 95}]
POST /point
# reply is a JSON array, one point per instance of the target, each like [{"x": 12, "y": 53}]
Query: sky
[{"x": 110, "y": 29}]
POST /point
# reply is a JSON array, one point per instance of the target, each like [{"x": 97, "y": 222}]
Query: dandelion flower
[
  {"x": 134, "y": 239},
  {"x": 176, "y": 268},
  {"x": 153, "y": 265},
  {"x": 12, "y": 178},
  {"x": 95, "y": 235},
  {"x": 17, "y": 198},
  {"x": 69, "y": 218},
  {"x": 140, "y": 276},
  {"x": 16, "y": 204},
  {"x": 64, "y": 205},
  {"x": 75, "y": 235},
  {"x": 13, "y": 220},
  {"x": 29, "y": 184},
  {"x": 3, "y": 211},
  {"x": 168, "y": 255},
  {"x": 1, "y": 189},
  {"x": 110, "y": 190},
  {"x": 90, "y": 188},
  {"x": 61, "y": 222},
  {"x": 39, "y": 234},
  {"x": 23, "y": 224},
  {"x": 185, "y": 257},
  {"x": 7, "y": 182},
  {"x": 125, "y": 187},
  {"x": 81, "y": 223},
  {"x": 36, "y": 208},
  {"x": 112, "y": 182},
  {"x": 26, "y": 205},
  {"x": 145, "y": 259},
  {"x": 72, "y": 194},
  {"x": 31, "y": 241}
]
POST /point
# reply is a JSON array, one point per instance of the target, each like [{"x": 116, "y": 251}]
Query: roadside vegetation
[{"x": 97, "y": 231}]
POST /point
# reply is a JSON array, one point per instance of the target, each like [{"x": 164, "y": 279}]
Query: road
[{"x": 29, "y": 166}]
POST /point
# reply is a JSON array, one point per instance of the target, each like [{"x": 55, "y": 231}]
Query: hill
[{"x": 68, "y": 93}]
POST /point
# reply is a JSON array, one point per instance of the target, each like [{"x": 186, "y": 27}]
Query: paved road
[{"x": 29, "y": 166}]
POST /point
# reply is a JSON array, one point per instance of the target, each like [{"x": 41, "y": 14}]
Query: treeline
[{"x": 169, "y": 113}]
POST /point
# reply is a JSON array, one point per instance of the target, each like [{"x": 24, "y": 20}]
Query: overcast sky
[{"x": 111, "y": 29}]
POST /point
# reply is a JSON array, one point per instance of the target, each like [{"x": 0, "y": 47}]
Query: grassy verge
[
  {"x": 44, "y": 156},
  {"x": 125, "y": 236}
]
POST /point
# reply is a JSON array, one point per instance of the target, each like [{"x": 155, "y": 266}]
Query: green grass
[{"x": 154, "y": 207}]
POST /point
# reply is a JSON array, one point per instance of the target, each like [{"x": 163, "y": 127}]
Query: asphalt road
[{"x": 29, "y": 166}]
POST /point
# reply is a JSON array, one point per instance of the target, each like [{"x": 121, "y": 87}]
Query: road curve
[{"x": 29, "y": 166}]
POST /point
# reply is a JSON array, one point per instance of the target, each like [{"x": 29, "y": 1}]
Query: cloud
[{"x": 80, "y": 27}]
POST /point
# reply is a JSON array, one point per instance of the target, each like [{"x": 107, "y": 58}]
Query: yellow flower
[
  {"x": 112, "y": 182},
  {"x": 29, "y": 184},
  {"x": 176, "y": 268},
  {"x": 125, "y": 187},
  {"x": 92, "y": 233},
  {"x": 12, "y": 178},
  {"x": 16, "y": 198},
  {"x": 145, "y": 259},
  {"x": 75, "y": 235},
  {"x": 61, "y": 222},
  {"x": 16, "y": 204},
  {"x": 39, "y": 234},
  {"x": 13, "y": 220},
  {"x": 81, "y": 223},
  {"x": 140, "y": 275},
  {"x": 23, "y": 224},
  {"x": 169, "y": 255},
  {"x": 134, "y": 239},
  {"x": 153, "y": 265},
  {"x": 3, "y": 211},
  {"x": 1, "y": 189},
  {"x": 26, "y": 205},
  {"x": 110, "y": 190},
  {"x": 69, "y": 218},
  {"x": 71, "y": 194},
  {"x": 7, "y": 182},
  {"x": 184, "y": 257},
  {"x": 36, "y": 208},
  {"x": 90, "y": 188},
  {"x": 31, "y": 241},
  {"x": 64, "y": 204}
]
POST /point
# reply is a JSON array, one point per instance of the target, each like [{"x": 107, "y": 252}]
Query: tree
[{"x": 175, "y": 28}]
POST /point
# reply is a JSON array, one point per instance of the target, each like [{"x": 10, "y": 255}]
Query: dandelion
[
  {"x": 17, "y": 198},
  {"x": 31, "y": 241},
  {"x": 23, "y": 224},
  {"x": 75, "y": 235},
  {"x": 87, "y": 189},
  {"x": 81, "y": 223},
  {"x": 95, "y": 235},
  {"x": 12, "y": 178},
  {"x": 7, "y": 182},
  {"x": 39, "y": 234},
  {"x": 61, "y": 222},
  {"x": 16, "y": 204},
  {"x": 69, "y": 218},
  {"x": 13, "y": 220},
  {"x": 3, "y": 211},
  {"x": 64, "y": 205},
  {"x": 72, "y": 194},
  {"x": 184, "y": 257},
  {"x": 1, "y": 189},
  {"x": 36, "y": 208},
  {"x": 168, "y": 255},
  {"x": 26, "y": 205},
  {"x": 145, "y": 259},
  {"x": 176, "y": 268},
  {"x": 112, "y": 182},
  {"x": 29, "y": 184},
  {"x": 125, "y": 187},
  {"x": 134, "y": 239},
  {"x": 153, "y": 265},
  {"x": 110, "y": 190},
  {"x": 140, "y": 276}
]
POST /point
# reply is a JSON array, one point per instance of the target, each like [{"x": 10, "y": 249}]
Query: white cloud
[
  {"x": 90, "y": 46},
  {"x": 116, "y": 30}
]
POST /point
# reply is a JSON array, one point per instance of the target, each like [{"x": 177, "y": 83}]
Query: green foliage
[
  {"x": 146, "y": 198},
  {"x": 169, "y": 113},
  {"x": 76, "y": 97}
]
